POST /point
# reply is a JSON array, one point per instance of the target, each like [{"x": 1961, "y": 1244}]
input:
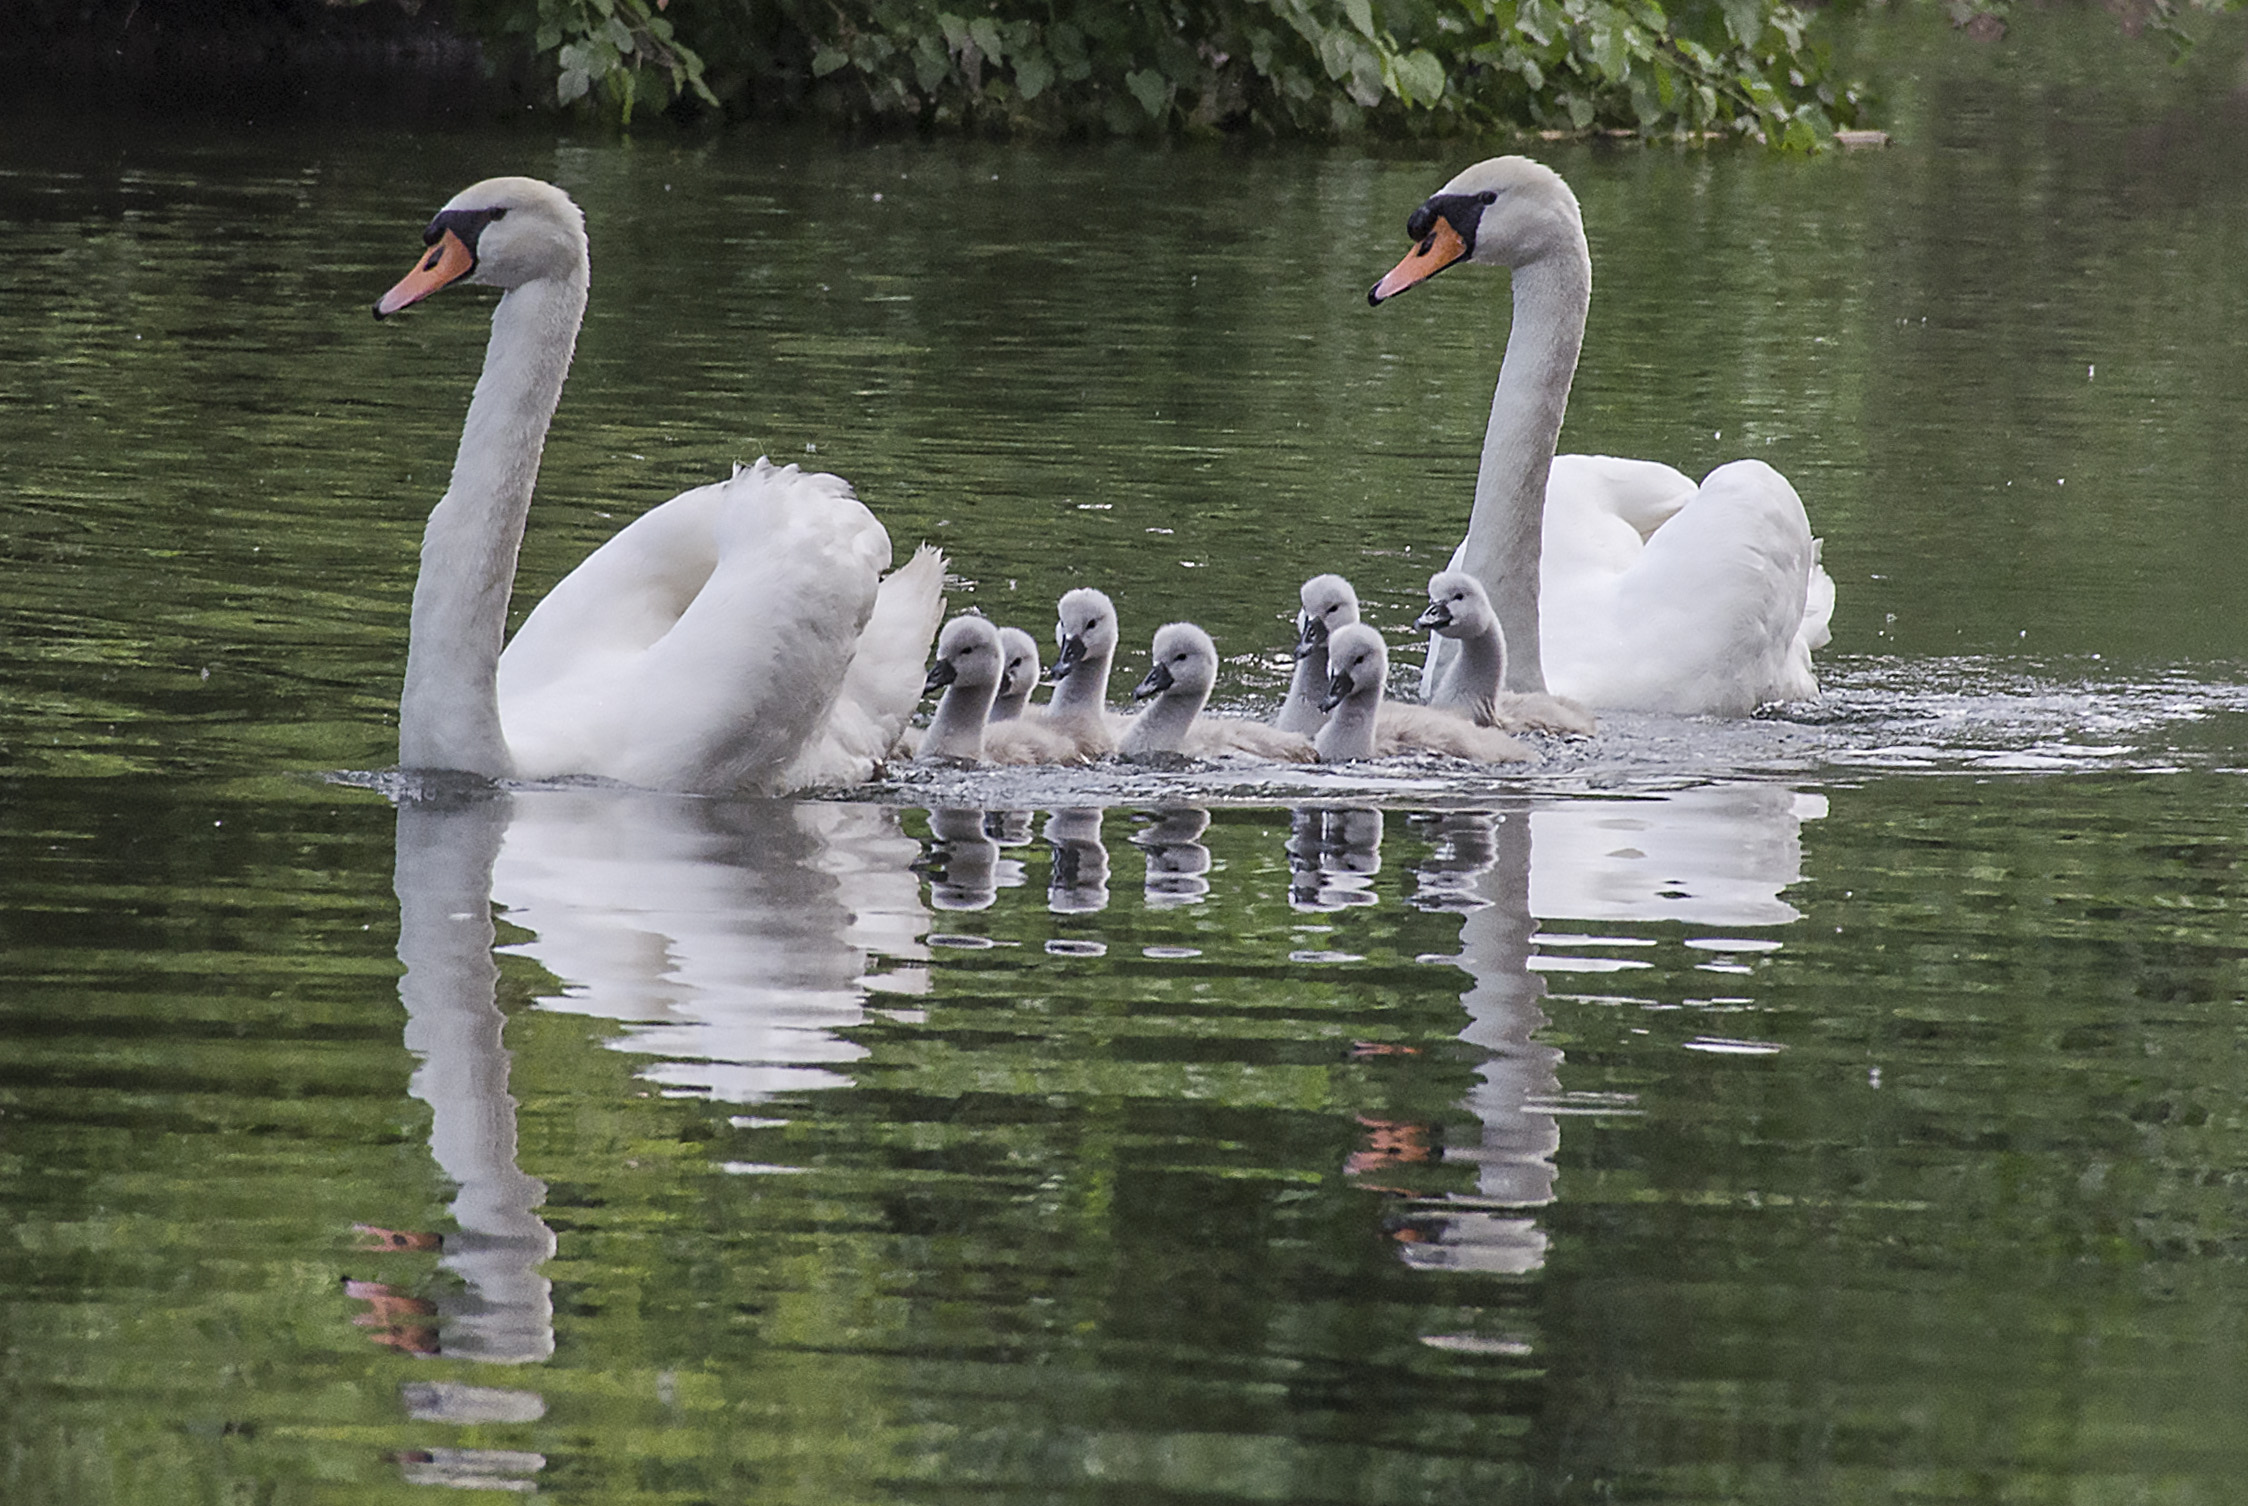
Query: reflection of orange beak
[
  {"x": 1442, "y": 247},
  {"x": 447, "y": 261}
]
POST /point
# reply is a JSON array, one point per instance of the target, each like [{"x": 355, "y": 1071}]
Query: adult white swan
[
  {"x": 739, "y": 638},
  {"x": 1617, "y": 582}
]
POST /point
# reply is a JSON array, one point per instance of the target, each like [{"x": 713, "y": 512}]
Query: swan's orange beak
[
  {"x": 447, "y": 260},
  {"x": 1439, "y": 249}
]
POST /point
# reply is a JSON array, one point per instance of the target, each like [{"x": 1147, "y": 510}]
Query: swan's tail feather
[
  {"x": 883, "y": 685},
  {"x": 1818, "y": 603}
]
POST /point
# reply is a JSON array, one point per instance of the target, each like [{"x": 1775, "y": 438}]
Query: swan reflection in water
[
  {"x": 502, "y": 1312},
  {"x": 1479, "y": 866},
  {"x": 737, "y": 944},
  {"x": 1708, "y": 855},
  {"x": 1717, "y": 855},
  {"x": 732, "y": 941}
]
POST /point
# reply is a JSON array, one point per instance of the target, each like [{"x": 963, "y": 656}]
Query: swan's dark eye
[
  {"x": 501, "y": 214},
  {"x": 1489, "y": 196}
]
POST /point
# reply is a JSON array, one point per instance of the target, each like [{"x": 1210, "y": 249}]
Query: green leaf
[
  {"x": 1611, "y": 53},
  {"x": 826, "y": 60},
  {"x": 984, "y": 32},
  {"x": 1361, "y": 14},
  {"x": 1151, "y": 90},
  {"x": 1420, "y": 77},
  {"x": 1032, "y": 74},
  {"x": 1745, "y": 20}
]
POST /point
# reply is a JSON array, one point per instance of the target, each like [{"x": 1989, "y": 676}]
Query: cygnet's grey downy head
[
  {"x": 1357, "y": 665},
  {"x": 1018, "y": 673},
  {"x": 1502, "y": 212},
  {"x": 502, "y": 233},
  {"x": 1458, "y": 606},
  {"x": 1329, "y": 603},
  {"x": 1184, "y": 664},
  {"x": 967, "y": 656},
  {"x": 1084, "y": 628}
]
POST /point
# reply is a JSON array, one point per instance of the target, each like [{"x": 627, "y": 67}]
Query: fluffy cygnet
[
  {"x": 1085, "y": 631},
  {"x": 1460, "y": 609},
  {"x": 967, "y": 670},
  {"x": 1361, "y": 724},
  {"x": 1328, "y": 603},
  {"x": 1180, "y": 679},
  {"x": 1018, "y": 674}
]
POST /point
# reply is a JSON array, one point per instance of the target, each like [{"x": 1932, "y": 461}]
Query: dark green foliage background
[{"x": 1276, "y": 67}]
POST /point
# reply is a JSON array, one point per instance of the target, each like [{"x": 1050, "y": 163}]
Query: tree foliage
[{"x": 1278, "y": 67}]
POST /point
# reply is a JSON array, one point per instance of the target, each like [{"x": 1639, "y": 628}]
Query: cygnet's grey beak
[
  {"x": 941, "y": 674},
  {"x": 1312, "y": 636},
  {"x": 1437, "y": 618},
  {"x": 1338, "y": 690},
  {"x": 1072, "y": 654},
  {"x": 1158, "y": 680}
]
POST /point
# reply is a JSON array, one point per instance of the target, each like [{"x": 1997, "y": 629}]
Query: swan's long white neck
[
  {"x": 1506, "y": 531},
  {"x": 449, "y": 714}
]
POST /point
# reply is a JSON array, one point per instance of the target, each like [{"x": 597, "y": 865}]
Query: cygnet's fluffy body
[
  {"x": 1328, "y": 603},
  {"x": 1018, "y": 675},
  {"x": 1184, "y": 670},
  {"x": 1085, "y": 633},
  {"x": 1460, "y": 609},
  {"x": 1362, "y": 724},
  {"x": 968, "y": 669}
]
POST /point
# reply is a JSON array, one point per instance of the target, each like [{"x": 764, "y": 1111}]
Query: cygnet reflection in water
[{"x": 1178, "y": 864}]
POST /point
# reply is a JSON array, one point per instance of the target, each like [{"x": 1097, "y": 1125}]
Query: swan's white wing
[
  {"x": 1645, "y": 494},
  {"x": 729, "y": 694},
  {"x": 1712, "y": 619},
  {"x": 883, "y": 684},
  {"x": 623, "y": 596}
]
